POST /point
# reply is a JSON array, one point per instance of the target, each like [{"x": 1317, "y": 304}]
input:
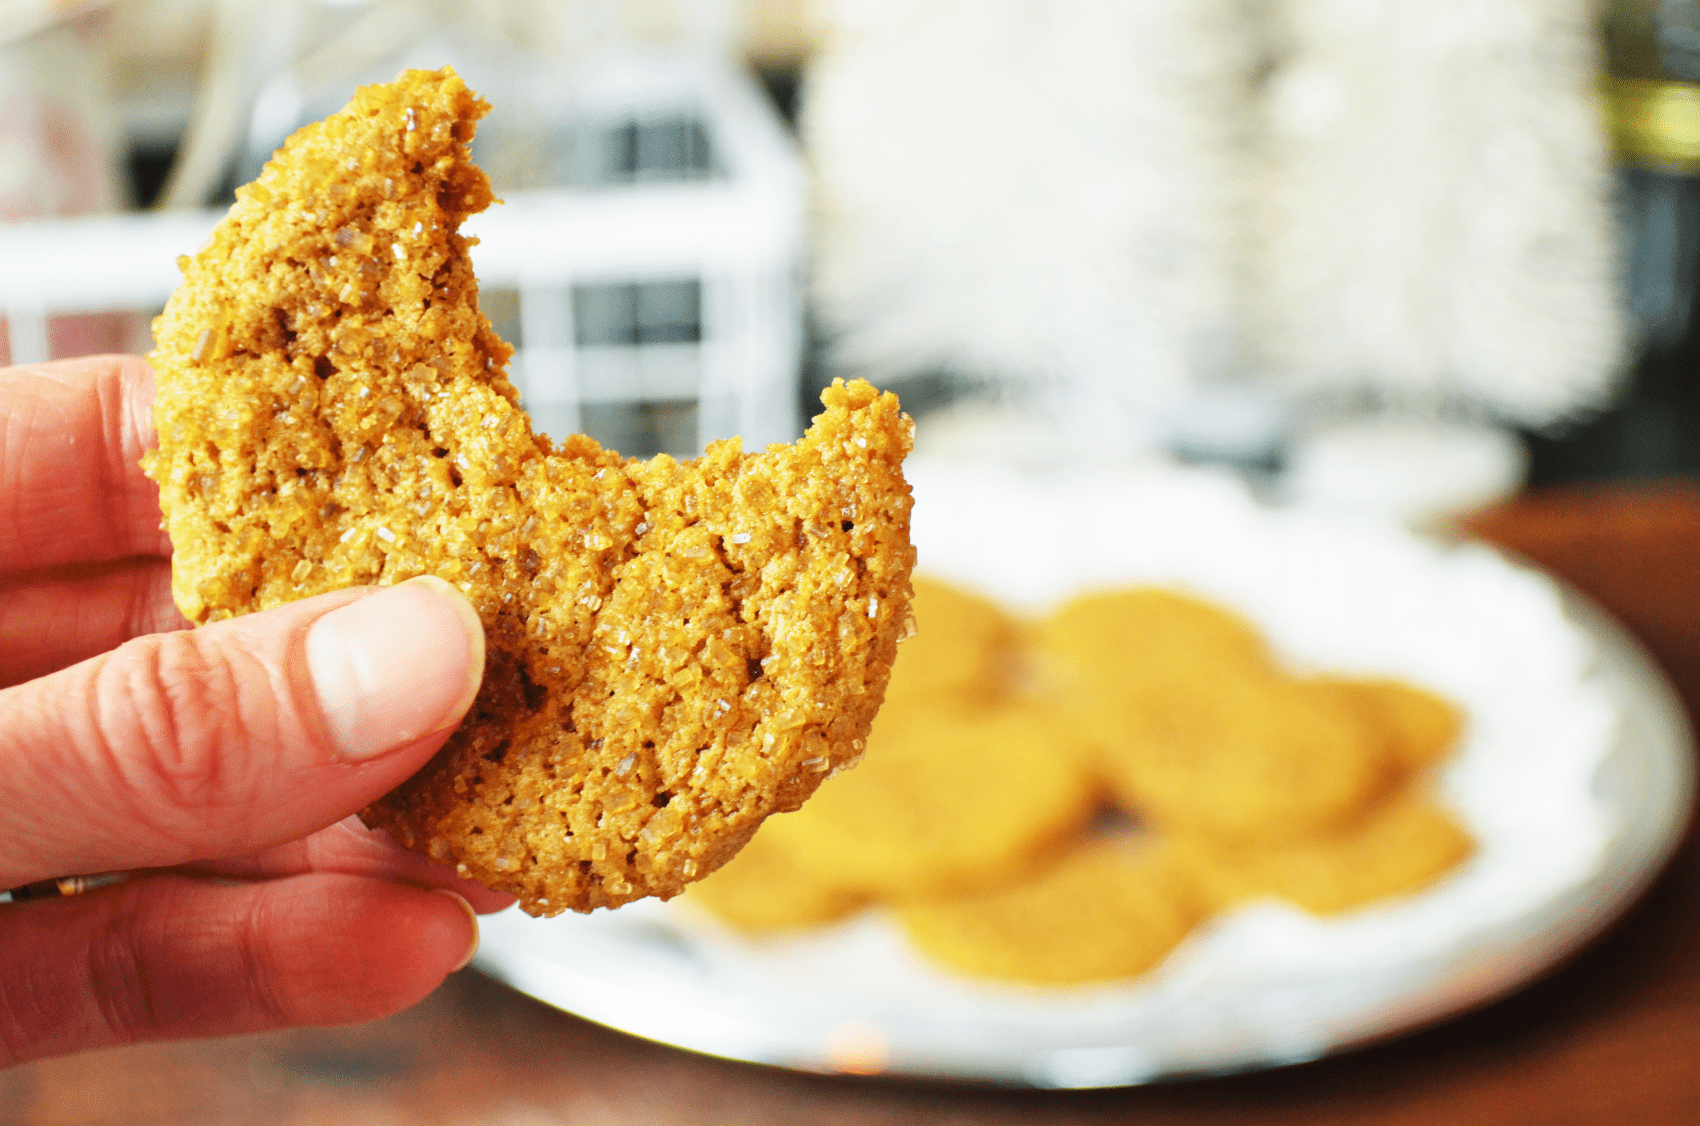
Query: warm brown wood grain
[{"x": 1614, "y": 1037}]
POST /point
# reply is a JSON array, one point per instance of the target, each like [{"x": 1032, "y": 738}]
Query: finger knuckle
[
  {"x": 119, "y": 984},
  {"x": 258, "y": 976},
  {"x": 174, "y": 959},
  {"x": 174, "y": 721}
]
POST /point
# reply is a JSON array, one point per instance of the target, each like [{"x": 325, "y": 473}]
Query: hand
[{"x": 224, "y": 762}]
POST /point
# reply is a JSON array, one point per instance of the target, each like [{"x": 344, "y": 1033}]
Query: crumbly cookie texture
[{"x": 675, "y": 650}]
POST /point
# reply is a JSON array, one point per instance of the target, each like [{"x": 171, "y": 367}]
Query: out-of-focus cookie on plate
[
  {"x": 1146, "y": 634},
  {"x": 1245, "y": 759},
  {"x": 1421, "y": 728},
  {"x": 1403, "y": 846},
  {"x": 762, "y": 889},
  {"x": 1111, "y": 909},
  {"x": 944, "y": 799},
  {"x": 1102, "y": 653},
  {"x": 963, "y": 648}
]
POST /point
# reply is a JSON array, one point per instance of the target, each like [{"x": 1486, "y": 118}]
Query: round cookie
[
  {"x": 1143, "y": 633},
  {"x": 1245, "y": 759},
  {"x": 964, "y": 647},
  {"x": 1401, "y": 847},
  {"x": 944, "y": 799},
  {"x": 1110, "y": 909},
  {"x": 674, "y": 650},
  {"x": 1421, "y": 728},
  {"x": 762, "y": 889},
  {"x": 1102, "y": 653}
]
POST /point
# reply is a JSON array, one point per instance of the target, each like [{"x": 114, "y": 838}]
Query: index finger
[{"x": 72, "y": 435}]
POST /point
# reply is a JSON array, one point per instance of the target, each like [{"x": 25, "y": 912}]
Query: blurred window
[
  {"x": 662, "y": 149},
  {"x": 640, "y": 313}
]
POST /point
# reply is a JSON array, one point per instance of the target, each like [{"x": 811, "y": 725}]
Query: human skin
[{"x": 221, "y": 765}]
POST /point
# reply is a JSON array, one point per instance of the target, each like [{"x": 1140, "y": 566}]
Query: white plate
[{"x": 1575, "y": 775}]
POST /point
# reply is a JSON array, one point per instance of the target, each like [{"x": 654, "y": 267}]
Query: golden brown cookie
[
  {"x": 946, "y": 798},
  {"x": 1421, "y": 727},
  {"x": 1102, "y": 653},
  {"x": 964, "y": 649},
  {"x": 675, "y": 650},
  {"x": 1147, "y": 633},
  {"x": 762, "y": 889},
  {"x": 1403, "y": 846},
  {"x": 1111, "y": 909},
  {"x": 1245, "y": 758}
]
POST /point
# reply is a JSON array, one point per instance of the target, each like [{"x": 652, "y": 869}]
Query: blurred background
[{"x": 1378, "y": 257}]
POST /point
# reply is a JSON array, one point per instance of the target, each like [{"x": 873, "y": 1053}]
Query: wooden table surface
[{"x": 1612, "y": 1037}]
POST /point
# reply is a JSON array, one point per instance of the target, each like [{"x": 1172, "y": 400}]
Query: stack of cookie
[{"x": 1063, "y": 801}]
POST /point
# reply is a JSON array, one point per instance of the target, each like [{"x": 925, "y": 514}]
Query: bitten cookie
[{"x": 674, "y": 650}]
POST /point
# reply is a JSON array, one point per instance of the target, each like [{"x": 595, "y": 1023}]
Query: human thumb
[{"x": 233, "y": 737}]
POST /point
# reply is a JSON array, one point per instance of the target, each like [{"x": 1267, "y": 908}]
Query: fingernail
[
  {"x": 471, "y": 918},
  {"x": 395, "y": 666}
]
